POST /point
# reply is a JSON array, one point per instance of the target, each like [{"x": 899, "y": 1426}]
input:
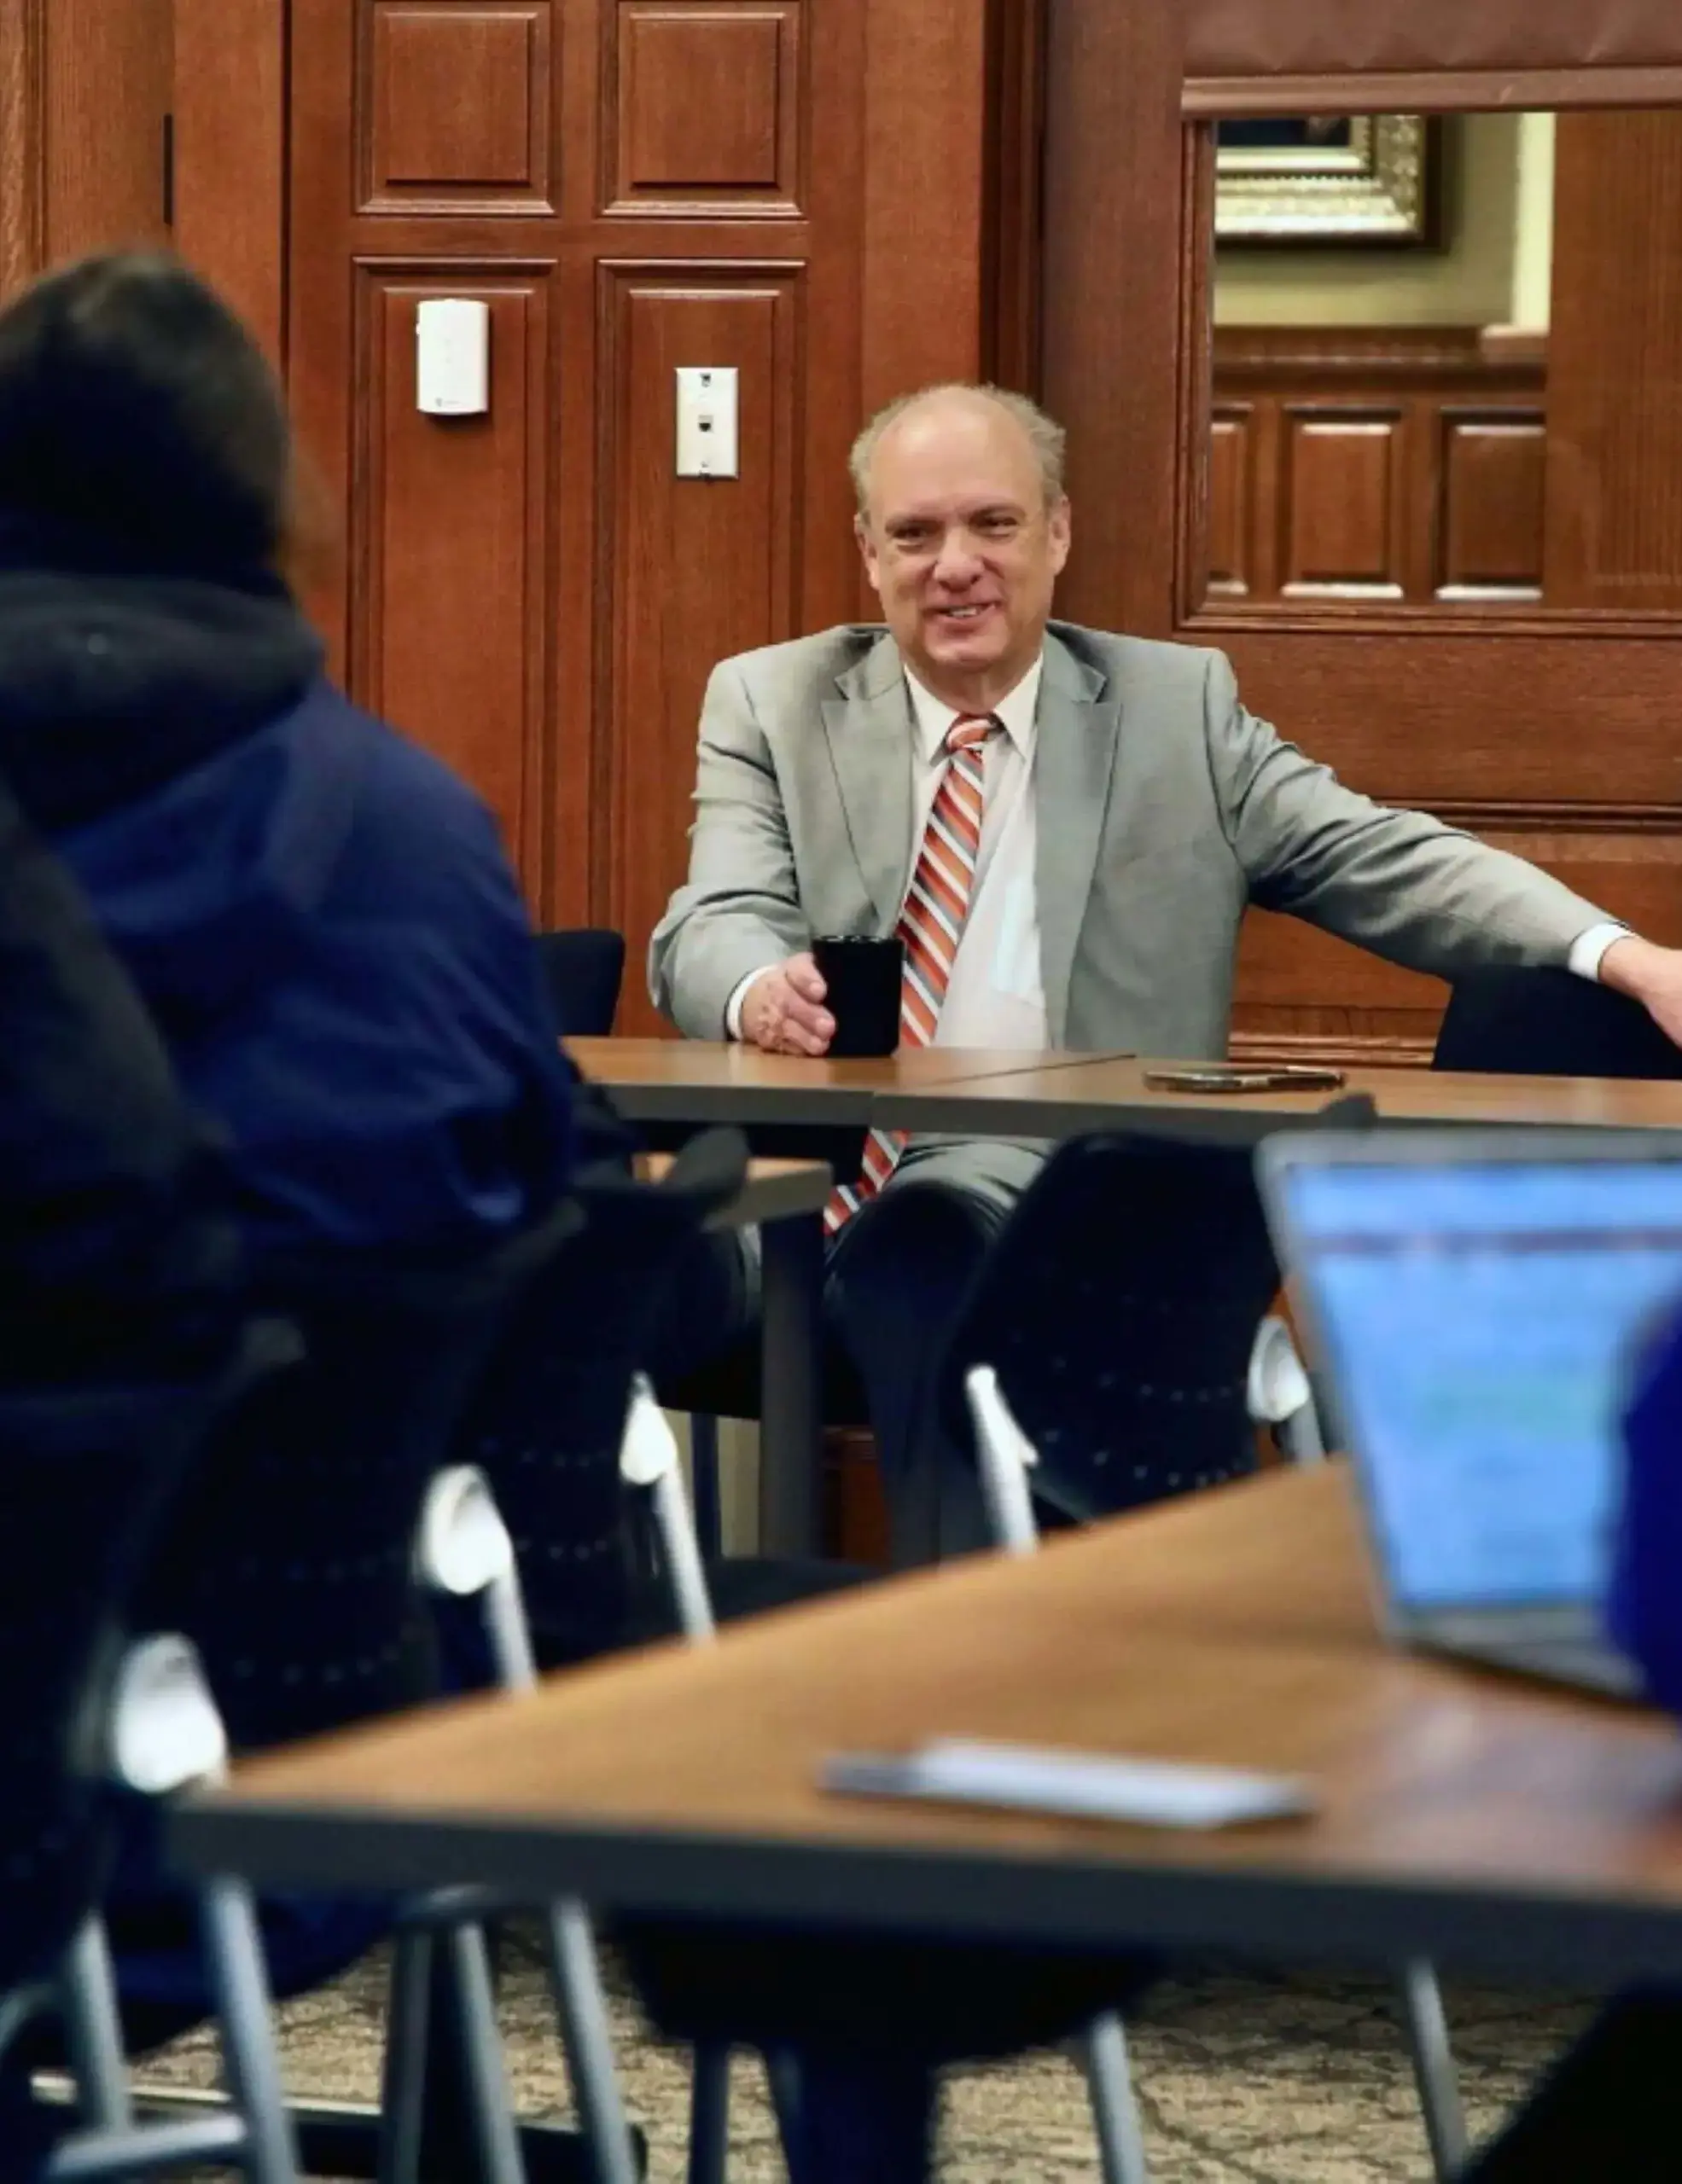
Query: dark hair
[{"x": 136, "y": 414}]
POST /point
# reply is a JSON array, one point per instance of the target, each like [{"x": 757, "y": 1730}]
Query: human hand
[
  {"x": 1650, "y": 975},
  {"x": 783, "y": 1012}
]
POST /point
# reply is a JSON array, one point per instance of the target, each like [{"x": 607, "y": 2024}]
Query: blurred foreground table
[{"x": 1479, "y": 1820}]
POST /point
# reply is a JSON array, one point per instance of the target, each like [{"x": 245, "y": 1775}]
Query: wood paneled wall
[
  {"x": 230, "y": 154},
  {"x": 1375, "y": 463},
  {"x": 85, "y": 89},
  {"x": 630, "y": 185},
  {"x": 1614, "y": 483}
]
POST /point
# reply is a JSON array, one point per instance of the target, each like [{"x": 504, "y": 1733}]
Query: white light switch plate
[{"x": 707, "y": 420}]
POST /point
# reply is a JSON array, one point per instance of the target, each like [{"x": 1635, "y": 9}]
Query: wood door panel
[
  {"x": 230, "y": 154},
  {"x": 706, "y": 106},
  {"x": 1342, "y": 521},
  {"x": 1378, "y": 464},
  {"x": 1493, "y": 469},
  {"x": 1456, "y": 720},
  {"x": 448, "y": 632},
  {"x": 1231, "y": 502},
  {"x": 454, "y": 104},
  {"x": 104, "y": 87},
  {"x": 1614, "y": 422},
  {"x": 692, "y": 570}
]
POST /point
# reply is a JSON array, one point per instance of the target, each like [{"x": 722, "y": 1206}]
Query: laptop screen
[{"x": 1480, "y": 1321}]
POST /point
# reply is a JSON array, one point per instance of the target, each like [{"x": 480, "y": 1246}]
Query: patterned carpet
[{"x": 1243, "y": 2080}]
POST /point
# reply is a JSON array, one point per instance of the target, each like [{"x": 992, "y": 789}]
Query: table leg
[{"x": 791, "y": 1420}]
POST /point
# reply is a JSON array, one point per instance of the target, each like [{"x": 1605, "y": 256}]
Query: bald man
[{"x": 1066, "y": 826}]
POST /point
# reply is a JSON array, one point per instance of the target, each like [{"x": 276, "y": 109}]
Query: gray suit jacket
[{"x": 1163, "y": 806}]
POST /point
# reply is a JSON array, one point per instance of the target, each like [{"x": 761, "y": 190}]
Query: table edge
[{"x": 1061, "y": 1901}]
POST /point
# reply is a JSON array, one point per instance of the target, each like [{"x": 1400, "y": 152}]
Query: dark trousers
[
  {"x": 897, "y": 1278},
  {"x": 868, "y": 2024},
  {"x": 1609, "y": 2112}
]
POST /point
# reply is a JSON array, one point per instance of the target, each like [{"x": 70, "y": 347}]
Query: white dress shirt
[
  {"x": 1588, "y": 948},
  {"x": 995, "y": 995}
]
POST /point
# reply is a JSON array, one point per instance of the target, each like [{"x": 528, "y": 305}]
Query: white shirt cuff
[
  {"x": 733, "y": 1006},
  {"x": 1588, "y": 948}
]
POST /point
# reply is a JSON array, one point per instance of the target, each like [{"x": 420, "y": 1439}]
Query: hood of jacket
[
  {"x": 174, "y": 735},
  {"x": 114, "y": 680}
]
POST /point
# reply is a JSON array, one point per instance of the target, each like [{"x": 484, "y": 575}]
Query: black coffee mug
[{"x": 862, "y": 978}]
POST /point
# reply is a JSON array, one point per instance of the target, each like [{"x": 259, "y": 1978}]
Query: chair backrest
[
  {"x": 1549, "y": 1023},
  {"x": 583, "y": 969},
  {"x": 87, "y": 1476},
  {"x": 1119, "y": 1307},
  {"x": 548, "y": 1423},
  {"x": 289, "y": 1564}
]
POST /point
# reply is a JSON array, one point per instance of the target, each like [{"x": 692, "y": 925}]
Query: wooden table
[
  {"x": 785, "y": 1201},
  {"x": 986, "y": 1092},
  {"x": 1110, "y": 1093},
  {"x": 1473, "y": 1818}
]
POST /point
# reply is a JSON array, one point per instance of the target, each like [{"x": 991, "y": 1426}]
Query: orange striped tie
[{"x": 931, "y": 924}]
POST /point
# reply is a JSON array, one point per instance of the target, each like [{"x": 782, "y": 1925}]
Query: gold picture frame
[{"x": 1355, "y": 179}]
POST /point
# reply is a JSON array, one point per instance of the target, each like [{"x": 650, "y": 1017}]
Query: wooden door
[
  {"x": 84, "y": 91},
  {"x": 1552, "y": 730},
  {"x": 629, "y": 186}
]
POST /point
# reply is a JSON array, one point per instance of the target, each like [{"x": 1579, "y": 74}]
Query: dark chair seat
[
  {"x": 728, "y": 1385},
  {"x": 1119, "y": 1307},
  {"x": 746, "y": 1585},
  {"x": 1549, "y": 1023},
  {"x": 88, "y": 1476}
]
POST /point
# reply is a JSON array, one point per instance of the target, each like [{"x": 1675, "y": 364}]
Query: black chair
[
  {"x": 1549, "y": 1023},
  {"x": 548, "y": 1417},
  {"x": 603, "y": 1559},
  {"x": 728, "y": 1386},
  {"x": 87, "y": 1477},
  {"x": 290, "y": 1566},
  {"x": 583, "y": 969},
  {"x": 1119, "y": 1307}
]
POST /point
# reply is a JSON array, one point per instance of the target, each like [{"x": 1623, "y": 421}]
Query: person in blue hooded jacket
[{"x": 319, "y": 916}]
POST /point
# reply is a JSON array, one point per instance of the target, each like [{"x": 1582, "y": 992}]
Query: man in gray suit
[{"x": 1127, "y": 808}]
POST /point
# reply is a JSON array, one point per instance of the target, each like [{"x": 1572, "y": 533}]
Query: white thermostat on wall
[{"x": 452, "y": 356}]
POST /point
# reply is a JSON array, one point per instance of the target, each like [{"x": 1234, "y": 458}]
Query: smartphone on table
[{"x": 1242, "y": 1076}]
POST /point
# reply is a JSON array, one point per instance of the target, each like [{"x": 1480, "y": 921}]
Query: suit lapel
[
  {"x": 869, "y": 727},
  {"x": 1074, "y": 755}
]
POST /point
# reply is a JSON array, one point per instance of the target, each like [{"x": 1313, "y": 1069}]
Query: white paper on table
[{"x": 1095, "y": 1785}]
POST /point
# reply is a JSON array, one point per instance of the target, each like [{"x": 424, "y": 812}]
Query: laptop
[{"x": 1475, "y": 1302}]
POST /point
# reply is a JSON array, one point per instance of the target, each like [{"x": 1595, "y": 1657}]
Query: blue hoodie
[
  {"x": 319, "y": 916},
  {"x": 325, "y": 925},
  {"x": 1646, "y": 1591}
]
